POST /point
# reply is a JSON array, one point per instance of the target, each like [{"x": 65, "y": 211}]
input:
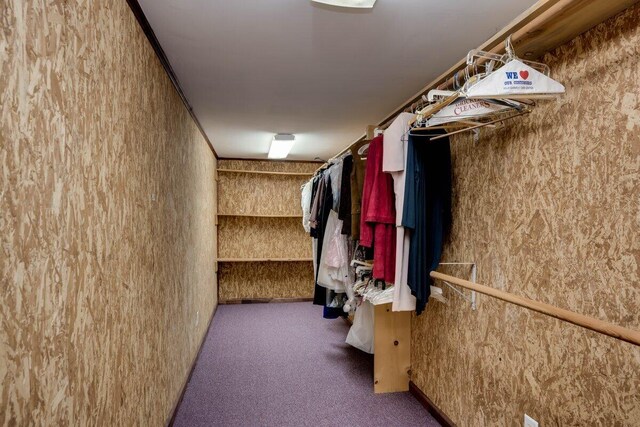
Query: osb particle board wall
[
  {"x": 268, "y": 280},
  {"x": 257, "y": 237},
  {"x": 262, "y": 238},
  {"x": 549, "y": 209},
  {"x": 107, "y": 227},
  {"x": 259, "y": 194}
]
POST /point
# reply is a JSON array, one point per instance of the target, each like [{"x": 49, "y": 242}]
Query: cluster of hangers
[{"x": 488, "y": 91}]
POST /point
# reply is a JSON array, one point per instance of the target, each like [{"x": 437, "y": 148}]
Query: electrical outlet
[{"x": 529, "y": 422}]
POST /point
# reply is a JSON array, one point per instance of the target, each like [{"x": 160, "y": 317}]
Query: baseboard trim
[
  {"x": 435, "y": 412},
  {"x": 263, "y": 300},
  {"x": 176, "y": 405}
]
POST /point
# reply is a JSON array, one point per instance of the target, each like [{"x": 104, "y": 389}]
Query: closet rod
[
  {"x": 502, "y": 119},
  {"x": 606, "y": 328}
]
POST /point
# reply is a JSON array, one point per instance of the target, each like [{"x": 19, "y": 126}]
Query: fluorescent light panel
[
  {"x": 348, "y": 3},
  {"x": 280, "y": 146}
]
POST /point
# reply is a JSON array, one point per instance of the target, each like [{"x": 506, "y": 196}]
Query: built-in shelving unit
[
  {"x": 262, "y": 247},
  {"x": 264, "y": 259},
  {"x": 261, "y": 216},
  {"x": 308, "y": 174}
]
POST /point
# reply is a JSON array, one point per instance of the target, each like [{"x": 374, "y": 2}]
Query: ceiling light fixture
[
  {"x": 348, "y": 3},
  {"x": 281, "y": 145}
]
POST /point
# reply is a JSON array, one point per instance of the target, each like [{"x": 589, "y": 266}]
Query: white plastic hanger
[
  {"x": 362, "y": 151},
  {"x": 515, "y": 79}
]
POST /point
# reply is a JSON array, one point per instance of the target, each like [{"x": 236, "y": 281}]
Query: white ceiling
[{"x": 253, "y": 68}]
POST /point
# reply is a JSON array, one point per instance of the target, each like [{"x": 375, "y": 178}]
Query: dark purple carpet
[{"x": 284, "y": 365}]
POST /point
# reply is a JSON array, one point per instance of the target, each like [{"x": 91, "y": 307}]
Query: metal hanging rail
[{"x": 606, "y": 328}]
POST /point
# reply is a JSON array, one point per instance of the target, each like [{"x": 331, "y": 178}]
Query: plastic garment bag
[
  {"x": 361, "y": 333},
  {"x": 333, "y": 270},
  {"x": 305, "y": 203},
  {"x": 337, "y": 255}
]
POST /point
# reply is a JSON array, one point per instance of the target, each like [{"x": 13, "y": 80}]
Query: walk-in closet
[{"x": 320, "y": 213}]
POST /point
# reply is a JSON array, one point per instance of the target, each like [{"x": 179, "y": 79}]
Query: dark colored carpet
[{"x": 284, "y": 365}]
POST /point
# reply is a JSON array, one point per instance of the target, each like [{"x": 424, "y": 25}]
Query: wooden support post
[{"x": 392, "y": 349}]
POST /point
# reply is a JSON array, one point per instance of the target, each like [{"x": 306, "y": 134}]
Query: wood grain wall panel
[
  {"x": 548, "y": 208},
  {"x": 248, "y": 280},
  {"x": 260, "y": 194},
  {"x": 247, "y": 237},
  {"x": 107, "y": 227},
  {"x": 272, "y": 166}
]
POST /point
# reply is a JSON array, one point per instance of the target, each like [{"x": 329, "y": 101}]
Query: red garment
[
  {"x": 378, "y": 214},
  {"x": 384, "y": 252}
]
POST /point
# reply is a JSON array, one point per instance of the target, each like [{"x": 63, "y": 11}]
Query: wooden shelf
[
  {"x": 263, "y": 259},
  {"x": 266, "y": 172},
  {"x": 261, "y": 216}
]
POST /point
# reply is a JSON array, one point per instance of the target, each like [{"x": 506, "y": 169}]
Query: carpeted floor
[{"x": 284, "y": 365}]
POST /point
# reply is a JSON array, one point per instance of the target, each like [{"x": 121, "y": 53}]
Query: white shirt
[
  {"x": 394, "y": 158},
  {"x": 394, "y": 155}
]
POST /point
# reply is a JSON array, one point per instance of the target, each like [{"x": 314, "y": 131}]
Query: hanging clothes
[
  {"x": 333, "y": 268},
  {"x": 378, "y": 214},
  {"x": 394, "y": 161},
  {"x": 315, "y": 204},
  {"x": 357, "y": 184},
  {"x": 329, "y": 245},
  {"x": 323, "y": 203},
  {"x": 344, "y": 208},
  {"x": 305, "y": 203},
  {"x": 427, "y": 208},
  {"x": 313, "y": 224},
  {"x": 335, "y": 172}
]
